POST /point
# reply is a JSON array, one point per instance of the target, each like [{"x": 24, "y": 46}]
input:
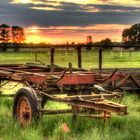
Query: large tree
[
  {"x": 14, "y": 34},
  {"x": 4, "y": 35},
  {"x": 131, "y": 36},
  {"x": 18, "y": 35}
]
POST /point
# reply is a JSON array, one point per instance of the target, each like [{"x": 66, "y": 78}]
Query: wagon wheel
[
  {"x": 120, "y": 96},
  {"x": 25, "y": 108}
]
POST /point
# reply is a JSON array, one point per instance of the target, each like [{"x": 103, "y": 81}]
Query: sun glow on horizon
[
  {"x": 22, "y": 1},
  {"x": 37, "y": 39},
  {"x": 77, "y": 34},
  {"x": 112, "y": 2},
  {"x": 33, "y": 29},
  {"x": 25, "y": 1}
]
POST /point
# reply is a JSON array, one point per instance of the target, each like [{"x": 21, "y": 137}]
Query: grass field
[
  {"x": 89, "y": 58},
  {"x": 117, "y": 128}
]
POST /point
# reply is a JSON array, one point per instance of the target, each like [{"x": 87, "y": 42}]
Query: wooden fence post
[
  {"x": 79, "y": 56},
  {"x": 100, "y": 59},
  {"x": 52, "y": 56}
]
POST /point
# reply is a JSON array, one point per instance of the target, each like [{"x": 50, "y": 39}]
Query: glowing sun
[
  {"x": 25, "y": 1},
  {"x": 33, "y": 30}
]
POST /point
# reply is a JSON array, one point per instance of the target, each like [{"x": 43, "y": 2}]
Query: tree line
[
  {"x": 131, "y": 36},
  {"x": 11, "y": 34},
  {"x": 16, "y": 35}
]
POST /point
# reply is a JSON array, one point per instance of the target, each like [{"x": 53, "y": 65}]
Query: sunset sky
[{"x": 59, "y": 21}]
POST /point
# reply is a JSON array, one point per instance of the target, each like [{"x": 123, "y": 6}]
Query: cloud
[{"x": 67, "y": 14}]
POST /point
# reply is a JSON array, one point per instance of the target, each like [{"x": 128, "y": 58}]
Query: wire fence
[{"x": 90, "y": 58}]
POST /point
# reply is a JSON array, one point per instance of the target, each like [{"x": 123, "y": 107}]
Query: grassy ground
[
  {"x": 117, "y": 128},
  {"x": 89, "y": 58}
]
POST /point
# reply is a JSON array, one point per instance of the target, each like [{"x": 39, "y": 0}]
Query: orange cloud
[
  {"x": 119, "y": 2},
  {"x": 76, "y": 34}
]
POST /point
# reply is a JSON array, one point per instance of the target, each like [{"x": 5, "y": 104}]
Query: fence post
[
  {"x": 100, "y": 59},
  {"x": 52, "y": 56},
  {"x": 79, "y": 56}
]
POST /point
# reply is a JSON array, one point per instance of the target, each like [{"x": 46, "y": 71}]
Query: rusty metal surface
[
  {"x": 42, "y": 75},
  {"x": 83, "y": 101},
  {"x": 77, "y": 79},
  {"x": 43, "y": 81},
  {"x": 126, "y": 79}
]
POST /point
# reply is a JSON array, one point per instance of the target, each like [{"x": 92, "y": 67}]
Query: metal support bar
[
  {"x": 102, "y": 105},
  {"x": 94, "y": 116}
]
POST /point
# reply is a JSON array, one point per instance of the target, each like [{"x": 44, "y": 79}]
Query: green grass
[
  {"x": 117, "y": 128},
  {"x": 89, "y": 58}
]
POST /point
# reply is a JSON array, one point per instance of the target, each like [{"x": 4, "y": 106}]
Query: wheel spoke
[
  {"x": 24, "y": 111},
  {"x": 25, "y": 108}
]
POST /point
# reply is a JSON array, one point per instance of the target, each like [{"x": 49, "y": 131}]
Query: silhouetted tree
[
  {"x": 131, "y": 36},
  {"x": 18, "y": 36},
  {"x": 105, "y": 43},
  {"x": 89, "y": 42},
  {"x": 4, "y": 35}
]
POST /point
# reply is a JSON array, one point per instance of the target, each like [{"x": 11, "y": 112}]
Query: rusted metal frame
[
  {"x": 135, "y": 81},
  {"x": 59, "y": 78},
  {"x": 17, "y": 74},
  {"x": 33, "y": 67},
  {"x": 66, "y": 111},
  {"x": 88, "y": 97},
  {"x": 76, "y": 79},
  {"x": 81, "y": 90},
  {"x": 21, "y": 72},
  {"x": 127, "y": 77},
  {"x": 56, "y": 90},
  {"x": 99, "y": 116},
  {"x": 26, "y": 68},
  {"x": 103, "y": 106},
  {"x": 75, "y": 97},
  {"x": 29, "y": 69},
  {"x": 99, "y": 105},
  {"x": 11, "y": 65},
  {"x": 110, "y": 76}
]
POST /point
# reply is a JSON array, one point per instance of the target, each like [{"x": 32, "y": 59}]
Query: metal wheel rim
[{"x": 24, "y": 111}]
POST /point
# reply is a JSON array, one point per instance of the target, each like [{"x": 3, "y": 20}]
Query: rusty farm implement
[{"x": 42, "y": 83}]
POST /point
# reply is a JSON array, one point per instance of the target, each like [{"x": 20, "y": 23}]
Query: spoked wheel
[
  {"x": 119, "y": 97},
  {"x": 25, "y": 109}
]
